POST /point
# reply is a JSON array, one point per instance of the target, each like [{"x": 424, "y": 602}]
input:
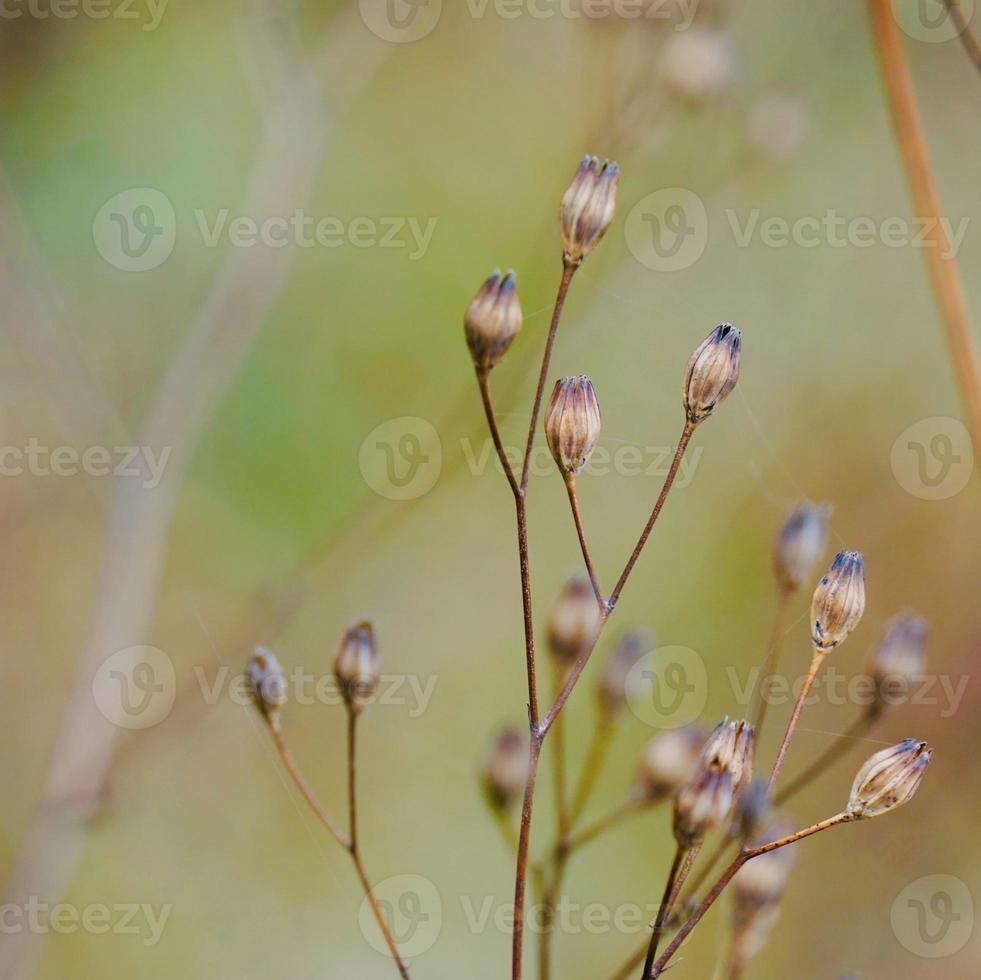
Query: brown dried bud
[
  {"x": 752, "y": 810},
  {"x": 731, "y": 746},
  {"x": 670, "y": 759},
  {"x": 357, "y": 666},
  {"x": 587, "y": 208},
  {"x": 572, "y": 423},
  {"x": 800, "y": 545},
  {"x": 506, "y": 769},
  {"x": 702, "y": 804},
  {"x": 839, "y": 601},
  {"x": 889, "y": 779},
  {"x": 574, "y": 622},
  {"x": 493, "y": 320},
  {"x": 267, "y": 684},
  {"x": 616, "y": 671},
  {"x": 712, "y": 373},
  {"x": 899, "y": 659}
]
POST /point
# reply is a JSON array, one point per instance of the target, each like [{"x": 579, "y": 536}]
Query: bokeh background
[{"x": 277, "y": 521}]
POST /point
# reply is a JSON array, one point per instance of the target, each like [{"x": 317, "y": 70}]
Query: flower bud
[
  {"x": 267, "y": 685},
  {"x": 587, "y": 208},
  {"x": 670, "y": 759},
  {"x": 616, "y": 671},
  {"x": 712, "y": 373},
  {"x": 702, "y": 804},
  {"x": 356, "y": 666},
  {"x": 800, "y": 545},
  {"x": 506, "y": 769},
  {"x": 889, "y": 779},
  {"x": 899, "y": 659},
  {"x": 574, "y": 622},
  {"x": 731, "y": 745},
  {"x": 493, "y": 320},
  {"x": 572, "y": 423},
  {"x": 839, "y": 601}
]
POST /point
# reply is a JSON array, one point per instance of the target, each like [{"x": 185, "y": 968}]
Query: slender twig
[
  {"x": 568, "y": 271},
  {"x": 593, "y": 766},
  {"x": 816, "y": 661},
  {"x": 655, "y": 513},
  {"x": 963, "y": 28},
  {"x": 683, "y": 860},
  {"x": 521, "y": 873},
  {"x": 761, "y": 696},
  {"x": 838, "y": 748},
  {"x": 559, "y": 756},
  {"x": 939, "y": 254},
  {"x": 729, "y": 874},
  {"x": 484, "y": 384},
  {"x": 570, "y": 485}
]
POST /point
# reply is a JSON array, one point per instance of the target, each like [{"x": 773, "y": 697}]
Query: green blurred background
[{"x": 281, "y": 536}]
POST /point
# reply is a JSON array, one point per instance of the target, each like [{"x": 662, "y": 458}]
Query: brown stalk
[
  {"x": 968, "y": 39},
  {"x": 570, "y": 485},
  {"x": 816, "y": 661},
  {"x": 941, "y": 263}
]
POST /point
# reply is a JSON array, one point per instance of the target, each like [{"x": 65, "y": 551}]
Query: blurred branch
[
  {"x": 939, "y": 254},
  {"x": 217, "y": 342},
  {"x": 964, "y": 32}
]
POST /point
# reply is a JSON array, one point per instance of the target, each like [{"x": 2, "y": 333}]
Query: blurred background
[{"x": 221, "y": 430}]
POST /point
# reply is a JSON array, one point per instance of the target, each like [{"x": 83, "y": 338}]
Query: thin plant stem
[
  {"x": 963, "y": 28},
  {"x": 655, "y": 513},
  {"x": 683, "y": 859},
  {"x": 568, "y": 271},
  {"x": 352, "y": 777},
  {"x": 729, "y": 874},
  {"x": 838, "y": 749},
  {"x": 524, "y": 837},
  {"x": 770, "y": 663},
  {"x": 816, "y": 661},
  {"x": 939, "y": 256},
  {"x": 561, "y": 801},
  {"x": 570, "y": 485},
  {"x": 483, "y": 382},
  {"x": 593, "y": 766},
  {"x": 349, "y": 845}
]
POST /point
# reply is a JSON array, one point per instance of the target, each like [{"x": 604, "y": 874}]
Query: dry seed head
[
  {"x": 574, "y": 622},
  {"x": 889, "y": 779},
  {"x": 839, "y": 601},
  {"x": 702, "y": 803},
  {"x": 612, "y": 687},
  {"x": 712, "y": 372},
  {"x": 572, "y": 423},
  {"x": 587, "y": 208},
  {"x": 493, "y": 320},
  {"x": 267, "y": 684},
  {"x": 800, "y": 545},
  {"x": 899, "y": 658},
  {"x": 669, "y": 760},
  {"x": 506, "y": 769},
  {"x": 356, "y": 666},
  {"x": 731, "y": 747}
]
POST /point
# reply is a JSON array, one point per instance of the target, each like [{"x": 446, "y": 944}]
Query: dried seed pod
[
  {"x": 587, "y": 208},
  {"x": 506, "y": 769},
  {"x": 572, "y": 423},
  {"x": 731, "y": 746},
  {"x": 356, "y": 666},
  {"x": 574, "y": 622},
  {"x": 612, "y": 687},
  {"x": 669, "y": 760},
  {"x": 493, "y": 320},
  {"x": 899, "y": 659},
  {"x": 712, "y": 372},
  {"x": 702, "y": 803},
  {"x": 800, "y": 545},
  {"x": 889, "y": 779},
  {"x": 267, "y": 684},
  {"x": 839, "y": 601}
]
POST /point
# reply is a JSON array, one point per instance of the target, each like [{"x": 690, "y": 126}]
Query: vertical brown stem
[
  {"x": 524, "y": 837},
  {"x": 683, "y": 859},
  {"x": 940, "y": 260},
  {"x": 816, "y": 660},
  {"x": 483, "y": 382},
  {"x": 570, "y": 485}
]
